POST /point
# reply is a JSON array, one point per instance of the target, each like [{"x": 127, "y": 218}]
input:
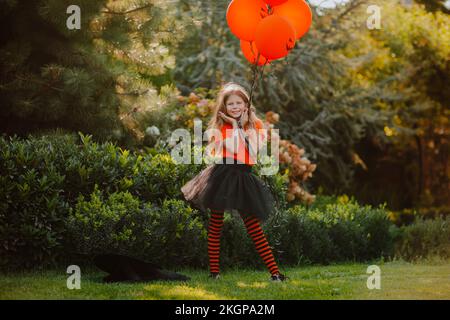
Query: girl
[{"x": 230, "y": 184}]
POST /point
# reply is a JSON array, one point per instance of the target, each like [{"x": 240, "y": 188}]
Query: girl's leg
[
  {"x": 262, "y": 246},
  {"x": 214, "y": 232}
]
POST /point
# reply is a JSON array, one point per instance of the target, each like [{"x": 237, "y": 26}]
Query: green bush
[
  {"x": 424, "y": 238},
  {"x": 84, "y": 163},
  {"x": 331, "y": 232},
  {"x": 61, "y": 195},
  {"x": 170, "y": 235},
  {"x": 32, "y": 209},
  {"x": 335, "y": 232},
  {"x": 41, "y": 177}
]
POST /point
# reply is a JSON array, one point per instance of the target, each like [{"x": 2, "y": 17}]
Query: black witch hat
[{"x": 123, "y": 268}]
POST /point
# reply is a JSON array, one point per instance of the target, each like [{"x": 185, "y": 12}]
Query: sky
[
  {"x": 332, "y": 3},
  {"x": 327, "y": 3}
]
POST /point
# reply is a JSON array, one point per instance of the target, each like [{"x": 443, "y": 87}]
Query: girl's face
[{"x": 235, "y": 106}]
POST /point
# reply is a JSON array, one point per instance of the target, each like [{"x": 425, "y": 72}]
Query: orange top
[{"x": 242, "y": 154}]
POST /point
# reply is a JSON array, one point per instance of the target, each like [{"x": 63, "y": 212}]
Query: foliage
[
  {"x": 175, "y": 234},
  {"x": 365, "y": 105},
  {"x": 321, "y": 110},
  {"x": 369, "y": 107},
  {"x": 61, "y": 196},
  {"x": 425, "y": 238},
  {"x": 32, "y": 208},
  {"x": 170, "y": 235},
  {"x": 407, "y": 57},
  {"x": 98, "y": 79},
  {"x": 42, "y": 177},
  {"x": 335, "y": 232},
  {"x": 435, "y": 5}
]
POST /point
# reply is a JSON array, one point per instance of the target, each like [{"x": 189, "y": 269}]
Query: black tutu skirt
[{"x": 230, "y": 186}]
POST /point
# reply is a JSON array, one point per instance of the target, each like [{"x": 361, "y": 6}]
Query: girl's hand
[
  {"x": 228, "y": 119},
  {"x": 244, "y": 117}
]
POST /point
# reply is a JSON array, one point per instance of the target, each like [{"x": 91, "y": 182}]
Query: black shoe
[
  {"x": 278, "y": 277},
  {"x": 214, "y": 276}
]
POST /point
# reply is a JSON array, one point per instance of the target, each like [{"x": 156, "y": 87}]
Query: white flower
[{"x": 152, "y": 131}]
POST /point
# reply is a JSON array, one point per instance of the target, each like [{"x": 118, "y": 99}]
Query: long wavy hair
[{"x": 226, "y": 91}]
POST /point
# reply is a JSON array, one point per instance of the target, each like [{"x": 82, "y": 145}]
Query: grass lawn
[{"x": 399, "y": 280}]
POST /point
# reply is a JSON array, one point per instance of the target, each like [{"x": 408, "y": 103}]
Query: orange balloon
[
  {"x": 251, "y": 53},
  {"x": 275, "y": 37},
  {"x": 274, "y": 3},
  {"x": 243, "y": 17},
  {"x": 298, "y": 13}
]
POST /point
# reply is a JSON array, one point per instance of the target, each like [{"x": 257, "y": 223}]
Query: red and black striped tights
[{"x": 253, "y": 229}]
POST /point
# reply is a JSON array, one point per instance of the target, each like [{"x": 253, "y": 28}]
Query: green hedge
[
  {"x": 170, "y": 235},
  {"x": 32, "y": 207},
  {"x": 41, "y": 178},
  {"x": 424, "y": 238},
  {"x": 336, "y": 232},
  {"x": 174, "y": 234},
  {"x": 65, "y": 195}
]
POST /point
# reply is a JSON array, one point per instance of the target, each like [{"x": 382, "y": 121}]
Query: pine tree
[{"x": 98, "y": 79}]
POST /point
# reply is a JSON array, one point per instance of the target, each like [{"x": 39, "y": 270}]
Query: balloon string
[{"x": 255, "y": 76}]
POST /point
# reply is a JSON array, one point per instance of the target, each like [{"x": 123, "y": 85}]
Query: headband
[{"x": 233, "y": 86}]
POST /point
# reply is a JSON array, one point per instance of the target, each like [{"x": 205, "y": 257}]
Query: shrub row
[
  {"x": 42, "y": 178},
  {"x": 65, "y": 195},
  {"x": 174, "y": 234},
  {"x": 423, "y": 239}
]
